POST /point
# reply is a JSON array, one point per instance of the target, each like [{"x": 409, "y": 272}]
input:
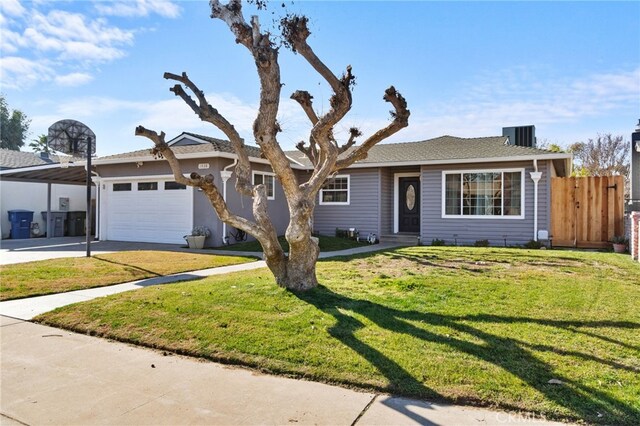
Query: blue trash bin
[{"x": 20, "y": 223}]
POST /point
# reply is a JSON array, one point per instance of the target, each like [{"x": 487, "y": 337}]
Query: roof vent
[{"x": 521, "y": 135}]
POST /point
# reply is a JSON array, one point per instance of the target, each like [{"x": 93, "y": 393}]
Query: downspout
[
  {"x": 535, "y": 177},
  {"x": 49, "y": 215},
  {"x": 225, "y": 174},
  {"x": 96, "y": 180}
]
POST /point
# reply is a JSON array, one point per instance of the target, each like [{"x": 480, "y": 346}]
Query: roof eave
[
  {"x": 553, "y": 156},
  {"x": 186, "y": 156}
]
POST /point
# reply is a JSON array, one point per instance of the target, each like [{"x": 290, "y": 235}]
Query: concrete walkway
[{"x": 55, "y": 377}]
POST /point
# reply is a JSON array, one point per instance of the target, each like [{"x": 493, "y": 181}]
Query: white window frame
[
  {"x": 337, "y": 203},
  {"x": 443, "y": 191},
  {"x": 263, "y": 174}
]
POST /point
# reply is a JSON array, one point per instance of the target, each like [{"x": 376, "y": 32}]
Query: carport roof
[{"x": 72, "y": 174}]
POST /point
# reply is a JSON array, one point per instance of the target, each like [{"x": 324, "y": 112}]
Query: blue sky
[{"x": 466, "y": 68}]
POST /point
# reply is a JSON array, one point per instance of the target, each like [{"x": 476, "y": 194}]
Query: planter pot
[
  {"x": 195, "y": 242},
  {"x": 619, "y": 248}
]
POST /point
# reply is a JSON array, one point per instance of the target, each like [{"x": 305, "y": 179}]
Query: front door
[{"x": 409, "y": 208}]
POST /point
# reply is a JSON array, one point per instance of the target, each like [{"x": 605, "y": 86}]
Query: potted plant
[
  {"x": 619, "y": 243},
  {"x": 197, "y": 237}
]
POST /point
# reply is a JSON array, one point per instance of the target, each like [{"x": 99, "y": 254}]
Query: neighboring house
[
  {"x": 32, "y": 195},
  {"x": 455, "y": 189}
]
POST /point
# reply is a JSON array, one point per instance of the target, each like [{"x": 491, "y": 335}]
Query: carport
[{"x": 65, "y": 173}]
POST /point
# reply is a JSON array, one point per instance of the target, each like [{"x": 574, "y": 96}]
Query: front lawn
[
  {"x": 482, "y": 326},
  {"x": 67, "y": 274},
  {"x": 326, "y": 244}
]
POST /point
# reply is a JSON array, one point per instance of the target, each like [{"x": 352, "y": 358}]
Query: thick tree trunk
[{"x": 296, "y": 272}]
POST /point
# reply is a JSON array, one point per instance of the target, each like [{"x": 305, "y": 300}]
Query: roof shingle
[
  {"x": 10, "y": 159},
  {"x": 441, "y": 148}
]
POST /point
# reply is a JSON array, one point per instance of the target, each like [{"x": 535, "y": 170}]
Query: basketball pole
[{"x": 88, "y": 219}]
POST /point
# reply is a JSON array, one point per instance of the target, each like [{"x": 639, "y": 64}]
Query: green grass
[
  {"x": 326, "y": 244},
  {"x": 483, "y": 326},
  {"x": 67, "y": 274}
]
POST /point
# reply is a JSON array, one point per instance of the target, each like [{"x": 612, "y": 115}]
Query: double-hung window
[
  {"x": 335, "y": 190},
  {"x": 268, "y": 180},
  {"x": 483, "y": 194}
]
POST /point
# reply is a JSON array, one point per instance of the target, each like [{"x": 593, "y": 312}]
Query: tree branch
[
  {"x": 304, "y": 98},
  {"x": 265, "y": 127},
  {"x": 162, "y": 149},
  {"x": 400, "y": 116},
  {"x": 354, "y": 133},
  {"x": 209, "y": 114}
]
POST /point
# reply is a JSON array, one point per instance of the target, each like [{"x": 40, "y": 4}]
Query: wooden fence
[{"x": 586, "y": 212}]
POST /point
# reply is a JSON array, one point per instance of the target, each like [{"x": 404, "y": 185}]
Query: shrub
[
  {"x": 533, "y": 244},
  {"x": 200, "y": 231},
  {"x": 619, "y": 239},
  {"x": 437, "y": 242},
  {"x": 481, "y": 243}
]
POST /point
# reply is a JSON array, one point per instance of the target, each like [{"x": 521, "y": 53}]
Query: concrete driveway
[{"x": 29, "y": 250}]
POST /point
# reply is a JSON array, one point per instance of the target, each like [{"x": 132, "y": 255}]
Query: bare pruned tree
[
  {"x": 605, "y": 155},
  {"x": 297, "y": 271}
]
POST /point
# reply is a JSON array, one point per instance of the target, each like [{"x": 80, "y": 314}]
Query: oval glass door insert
[{"x": 410, "y": 197}]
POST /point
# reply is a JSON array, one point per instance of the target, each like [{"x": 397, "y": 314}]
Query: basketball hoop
[
  {"x": 75, "y": 139},
  {"x": 64, "y": 161}
]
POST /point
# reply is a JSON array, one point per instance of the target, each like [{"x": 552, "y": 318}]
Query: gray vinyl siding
[
  {"x": 243, "y": 205},
  {"x": 386, "y": 201},
  {"x": 469, "y": 230},
  {"x": 363, "y": 209}
]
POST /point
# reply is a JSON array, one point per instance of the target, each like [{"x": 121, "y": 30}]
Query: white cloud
[
  {"x": 17, "y": 73},
  {"x": 10, "y": 42},
  {"x": 11, "y": 8},
  {"x": 58, "y": 42},
  {"x": 73, "y": 79},
  {"x": 518, "y": 97},
  {"x": 75, "y": 37},
  {"x": 137, "y": 8}
]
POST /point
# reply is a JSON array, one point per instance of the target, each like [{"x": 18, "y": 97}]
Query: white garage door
[{"x": 153, "y": 211}]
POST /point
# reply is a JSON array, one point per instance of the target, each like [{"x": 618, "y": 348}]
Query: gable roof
[
  {"x": 186, "y": 144},
  {"x": 10, "y": 159},
  {"x": 442, "y": 150}
]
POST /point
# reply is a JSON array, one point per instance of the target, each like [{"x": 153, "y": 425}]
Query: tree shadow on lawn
[
  {"x": 507, "y": 353},
  {"x": 126, "y": 265}
]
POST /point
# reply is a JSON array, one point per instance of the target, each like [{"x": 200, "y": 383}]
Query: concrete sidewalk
[{"x": 50, "y": 376}]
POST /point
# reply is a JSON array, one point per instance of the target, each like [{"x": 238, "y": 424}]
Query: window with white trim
[
  {"x": 335, "y": 190},
  {"x": 491, "y": 193},
  {"x": 268, "y": 180},
  {"x": 122, "y": 187}
]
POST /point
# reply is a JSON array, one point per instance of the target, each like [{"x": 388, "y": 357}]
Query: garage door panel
[{"x": 149, "y": 216}]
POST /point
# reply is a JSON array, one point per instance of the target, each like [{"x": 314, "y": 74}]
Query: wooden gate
[{"x": 586, "y": 212}]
